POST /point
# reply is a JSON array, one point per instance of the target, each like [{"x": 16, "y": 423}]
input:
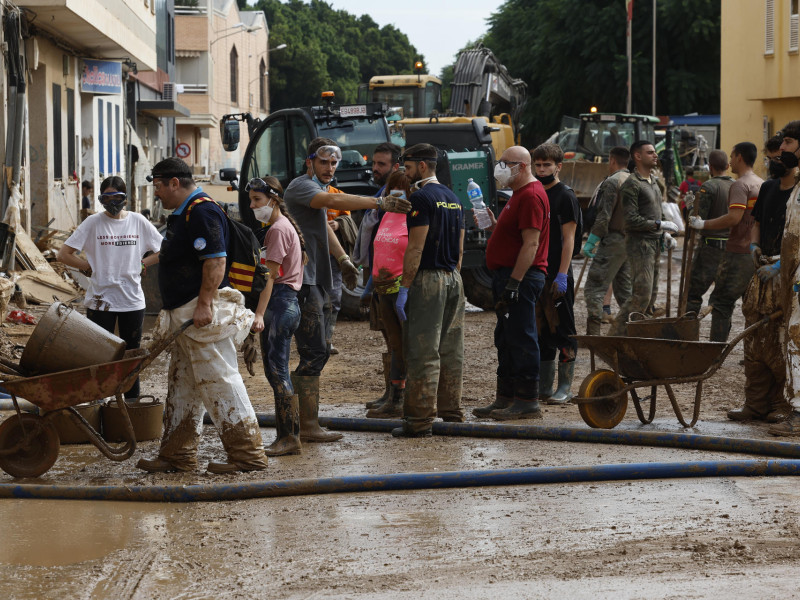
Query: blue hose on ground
[
  {"x": 687, "y": 441},
  {"x": 403, "y": 481}
]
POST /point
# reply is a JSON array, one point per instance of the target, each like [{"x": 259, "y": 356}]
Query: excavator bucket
[{"x": 583, "y": 177}]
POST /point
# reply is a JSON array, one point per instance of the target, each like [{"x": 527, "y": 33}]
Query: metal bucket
[
  {"x": 146, "y": 417},
  {"x": 68, "y": 432},
  {"x": 685, "y": 328},
  {"x": 64, "y": 340}
]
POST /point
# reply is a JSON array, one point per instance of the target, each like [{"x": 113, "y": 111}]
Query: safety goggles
[
  {"x": 112, "y": 197},
  {"x": 257, "y": 184},
  {"x": 327, "y": 153}
]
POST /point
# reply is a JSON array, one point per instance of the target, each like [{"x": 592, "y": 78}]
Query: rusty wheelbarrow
[
  {"x": 647, "y": 362},
  {"x": 29, "y": 443}
]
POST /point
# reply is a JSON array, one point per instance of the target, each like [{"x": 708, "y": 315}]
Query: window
[
  {"x": 70, "y": 132},
  {"x": 234, "y": 69},
  {"x": 269, "y": 156},
  {"x": 793, "y": 34},
  {"x": 58, "y": 168},
  {"x": 262, "y": 85},
  {"x": 769, "y": 27},
  {"x": 301, "y": 138}
]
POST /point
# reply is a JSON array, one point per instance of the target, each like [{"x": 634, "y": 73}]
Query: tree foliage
[
  {"x": 572, "y": 54},
  {"x": 328, "y": 49}
]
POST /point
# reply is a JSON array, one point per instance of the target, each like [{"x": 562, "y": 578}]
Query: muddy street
[{"x": 674, "y": 538}]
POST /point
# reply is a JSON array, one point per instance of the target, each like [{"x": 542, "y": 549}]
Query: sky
[{"x": 436, "y": 29}]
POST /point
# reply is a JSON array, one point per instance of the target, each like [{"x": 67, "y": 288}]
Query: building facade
[{"x": 759, "y": 87}]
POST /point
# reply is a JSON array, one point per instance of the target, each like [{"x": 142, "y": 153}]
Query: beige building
[
  {"x": 759, "y": 83},
  {"x": 222, "y": 67}
]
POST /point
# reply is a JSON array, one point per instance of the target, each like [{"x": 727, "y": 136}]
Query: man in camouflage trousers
[
  {"x": 644, "y": 231},
  {"x": 711, "y": 202},
  {"x": 606, "y": 244}
]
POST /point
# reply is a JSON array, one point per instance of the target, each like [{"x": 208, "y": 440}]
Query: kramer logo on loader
[{"x": 468, "y": 166}]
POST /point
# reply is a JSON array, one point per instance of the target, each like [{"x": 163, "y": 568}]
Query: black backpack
[
  {"x": 243, "y": 263},
  {"x": 694, "y": 186}
]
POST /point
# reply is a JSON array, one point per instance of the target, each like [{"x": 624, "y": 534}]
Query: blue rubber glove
[
  {"x": 768, "y": 272},
  {"x": 400, "y": 303},
  {"x": 561, "y": 283},
  {"x": 368, "y": 288},
  {"x": 588, "y": 247}
]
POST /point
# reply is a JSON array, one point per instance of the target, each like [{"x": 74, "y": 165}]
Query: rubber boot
[
  {"x": 520, "y": 409},
  {"x": 500, "y": 402},
  {"x": 244, "y": 447},
  {"x": 307, "y": 387},
  {"x": 393, "y": 409},
  {"x": 563, "y": 394},
  {"x": 592, "y": 328},
  {"x": 779, "y": 410},
  {"x": 547, "y": 373},
  {"x": 387, "y": 377},
  {"x": 287, "y": 427}
]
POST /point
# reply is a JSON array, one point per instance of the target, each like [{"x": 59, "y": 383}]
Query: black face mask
[
  {"x": 114, "y": 207},
  {"x": 776, "y": 168},
  {"x": 547, "y": 179},
  {"x": 789, "y": 160}
]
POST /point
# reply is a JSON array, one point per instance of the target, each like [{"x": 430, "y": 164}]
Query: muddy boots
[
  {"x": 244, "y": 447},
  {"x": 391, "y": 409},
  {"x": 563, "y": 394},
  {"x": 387, "y": 377},
  {"x": 789, "y": 428},
  {"x": 307, "y": 388},
  {"x": 593, "y": 327},
  {"x": 287, "y": 427},
  {"x": 504, "y": 396},
  {"x": 547, "y": 375},
  {"x": 520, "y": 408}
]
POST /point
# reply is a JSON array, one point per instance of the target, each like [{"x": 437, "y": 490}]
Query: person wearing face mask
[
  {"x": 430, "y": 300},
  {"x": 308, "y": 197},
  {"x": 772, "y": 150},
  {"x": 516, "y": 254},
  {"x": 764, "y": 351},
  {"x": 711, "y": 202},
  {"x": 555, "y": 316},
  {"x": 606, "y": 245},
  {"x": 644, "y": 230},
  {"x": 277, "y": 315},
  {"x": 114, "y": 242},
  {"x": 736, "y": 267}
]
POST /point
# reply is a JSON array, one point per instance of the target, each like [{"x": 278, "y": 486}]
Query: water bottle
[{"x": 475, "y": 196}]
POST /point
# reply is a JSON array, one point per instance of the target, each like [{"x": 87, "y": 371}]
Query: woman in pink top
[
  {"x": 389, "y": 248},
  {"x": 278, "y": 312}
]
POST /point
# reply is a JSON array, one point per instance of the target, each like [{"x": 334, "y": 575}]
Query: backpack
[
  {"x": 243, "y": 262},
  {"x": 694, "y": 186}
]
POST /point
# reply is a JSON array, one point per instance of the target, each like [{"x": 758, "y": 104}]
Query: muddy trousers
[
  {"x": 335, "y": 299},
  {"x": 704, "y": 271},
  {"x": 733, "y": 277},
  {"x": 130, "y": 330},
  {"x": 609, "y": 267},
  {"x": 281, "y": 321},
  {"x": 516, "y": 337},
  {"x": 764, "y": 367},
  {"x": 205, "y": 377},
  {"x": 643, "y": 256},
  {"x": 315, "y": 312},
  {"x": 393, "y": 330},
  {"x": 433, "y": 340}
]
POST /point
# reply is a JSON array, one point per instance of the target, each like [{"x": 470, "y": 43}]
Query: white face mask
[
  {"x": 263, "y": 213},
  {"x": 503, "y": 175},
  {"x": 419, "y": 184}
]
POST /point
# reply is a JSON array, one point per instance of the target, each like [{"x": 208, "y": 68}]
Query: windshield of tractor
[
  {"x": 396, "y": 98},
  {"x": 357, "y": 139},
  {"x": 599, "y": 138}
]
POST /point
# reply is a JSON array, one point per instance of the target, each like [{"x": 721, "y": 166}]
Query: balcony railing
[{"x": 193, "y": 88}]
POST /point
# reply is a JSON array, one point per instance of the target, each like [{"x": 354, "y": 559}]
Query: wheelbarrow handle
[{"x": 747, "y": 331}]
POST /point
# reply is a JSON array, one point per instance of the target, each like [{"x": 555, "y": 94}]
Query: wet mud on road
[{"x": 682, "y": 538}]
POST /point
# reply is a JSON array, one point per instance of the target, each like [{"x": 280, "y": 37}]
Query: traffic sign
[{"x": 183, "y": 150}]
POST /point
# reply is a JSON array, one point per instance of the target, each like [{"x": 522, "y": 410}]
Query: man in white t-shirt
[{"x": 114, "y": 242}]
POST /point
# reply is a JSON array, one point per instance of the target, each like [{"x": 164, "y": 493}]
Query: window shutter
[
  {"x": 769, "y": 27},
  {"x": 793, "y": 45}
]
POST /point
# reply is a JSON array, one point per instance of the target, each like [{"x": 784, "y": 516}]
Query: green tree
[{"x": 572, "y": 55}]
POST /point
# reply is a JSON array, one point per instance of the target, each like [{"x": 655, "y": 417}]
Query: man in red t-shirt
[{"x": 517, "y": 256}]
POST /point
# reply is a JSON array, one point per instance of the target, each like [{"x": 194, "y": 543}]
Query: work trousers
[
  {"x": 393, "y": 329},
  {"x": 130, "y": 330},
  {"x": 556, "y": 322},
  {"x": 609, "y": 266},
  {"x": 315, "y": 312},
  {"x": 335, "y": 299},
  {"x": 734, "y": 275},
  {"x": 643, "y": 256},
  {"x": 516, "y": 337},
  {"x": 434, "y": 348},
  {"x": 704, "y": 271},
  {"x": 281, "y": 321}
]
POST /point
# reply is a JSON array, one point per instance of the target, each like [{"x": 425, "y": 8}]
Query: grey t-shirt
[{"x": 313, "y": 222}]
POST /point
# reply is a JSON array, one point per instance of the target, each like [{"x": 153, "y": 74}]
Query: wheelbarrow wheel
[
  {"x": 602, "y": 414},
  {"x": 29, "y": 445}
]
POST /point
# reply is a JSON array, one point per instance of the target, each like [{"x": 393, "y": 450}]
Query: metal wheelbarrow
[
  {"x": 647, "y": 362},
  {"x": 29, "y": 443}
]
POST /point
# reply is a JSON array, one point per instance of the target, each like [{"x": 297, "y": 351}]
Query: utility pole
[
  {"x": 629, "y": 109},
  {"x": 654, "y": 59}
]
